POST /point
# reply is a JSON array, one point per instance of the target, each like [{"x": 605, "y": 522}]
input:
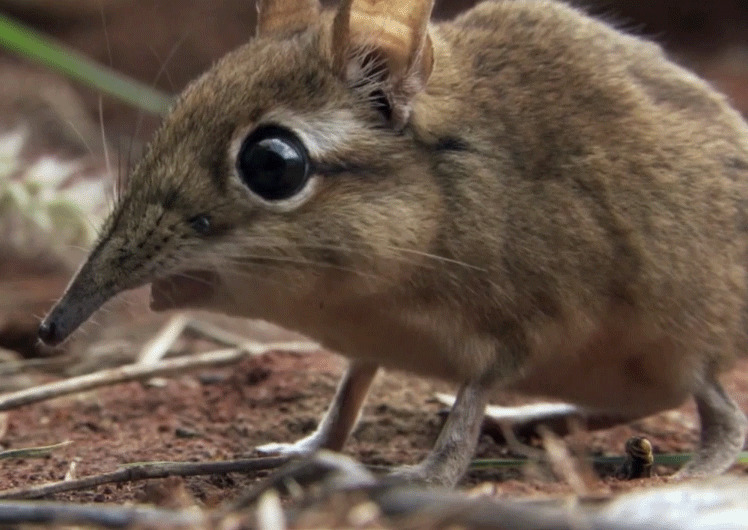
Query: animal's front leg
[
  {"x": 340, "y": 418},
  {"x": 454, "y": 449}
]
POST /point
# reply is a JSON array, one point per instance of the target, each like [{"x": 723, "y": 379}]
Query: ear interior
[
  {"x": 383, "y": 47},
  {"x": 368, "y": 73}
]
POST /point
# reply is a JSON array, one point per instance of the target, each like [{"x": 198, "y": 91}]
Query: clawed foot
[
  {"x": 425, "y": 474},
  {"x": 305, "y": 446},
  {"x": 723, "y": 431}
]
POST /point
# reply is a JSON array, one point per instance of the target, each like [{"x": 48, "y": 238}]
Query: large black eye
[{"x": 273, "y": 163}]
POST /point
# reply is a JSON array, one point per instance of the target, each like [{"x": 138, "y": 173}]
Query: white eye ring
[
  {"x": 324, "y": 135},
  {"x": 287, "y": 204}
]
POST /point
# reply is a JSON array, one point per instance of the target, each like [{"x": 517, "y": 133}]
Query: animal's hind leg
[{"x": 723, "y": 430}]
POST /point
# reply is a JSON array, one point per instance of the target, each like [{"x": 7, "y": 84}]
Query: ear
[
  {"x": 284, "y": 17},
  {"x": 384, "y": 46}
]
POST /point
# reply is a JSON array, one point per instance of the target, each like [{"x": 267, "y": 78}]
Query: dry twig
[
  {"x": 720, "y": 503},
  {"x": 24, "y": 512},
  {"x": 137, "y": 372},
  {"x": 218, "y": 335},
  {"x": 156, "y": 348},
  {"x": 410, "y": 506},
  {"x": 149, "y": 470},
  {"x": 564, "y": 464},
  {"x": 339, "y": 471}
]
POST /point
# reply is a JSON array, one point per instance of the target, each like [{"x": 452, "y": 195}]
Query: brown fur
[{"x": 562, "y": 213}]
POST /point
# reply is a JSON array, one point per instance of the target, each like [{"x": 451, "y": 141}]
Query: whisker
[
  {"x": 104, "y": 143},
  {"x": 247, "y": 258},
  {"x": 80, "y": 136},
  {"x": 253, "y": 275},
  {"x": 166, "y": 72},
  {"x": 437, "y": 257},
  {"x": 107, "y": 161},
  {"x": 419, "y": 253},
  {"x": 170, "y": 298},
  {"x": 157, "y": 77},
  {"x": 71, "y": 246},
  {"x": 128, "y": 157},
  {"x": 169, "y": 57},
  {"x": 213, "y": 264},
  {"x": 106, "y": 33},
  {"x": 118, "y": 179},
  {"x": 191, "y": 277},
  {"x": 128, "y": 301},
  {"x": 237, "y": 266}
]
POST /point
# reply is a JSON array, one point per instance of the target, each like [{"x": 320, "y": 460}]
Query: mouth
[{"x": 191, "y": 289}]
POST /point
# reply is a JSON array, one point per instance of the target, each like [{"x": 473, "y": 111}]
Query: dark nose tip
[{"x": 48, "y": 332}]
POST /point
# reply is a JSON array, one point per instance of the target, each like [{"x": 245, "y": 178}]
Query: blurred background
[
  {"x": 166, "y": 43},
  {"x": 63, "y": 143}
]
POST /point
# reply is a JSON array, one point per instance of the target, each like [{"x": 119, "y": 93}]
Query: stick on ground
[
  {"x": 157, "y": 347},
  {"x": 23, "y": 512},
  {"x": 137, "y": 372},
  {"x": 145, "y": 471},
  {"x": 220, "y": 336}
]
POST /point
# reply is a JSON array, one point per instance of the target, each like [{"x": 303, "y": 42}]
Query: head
[{"x": 289, "y": 162}]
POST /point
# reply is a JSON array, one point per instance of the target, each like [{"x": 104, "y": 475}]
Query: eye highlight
[{"x": 273, "y": 163}]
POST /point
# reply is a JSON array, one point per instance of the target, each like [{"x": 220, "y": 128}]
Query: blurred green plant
[
  {"x": 33, "y": 452},
  {"x": 34, "y": 46},
  {"x": 663, "y": 459}
]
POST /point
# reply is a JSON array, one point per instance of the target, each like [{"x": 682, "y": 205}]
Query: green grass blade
[
  {"x": 32, "y": 45},
  {"x": 32, "y": 452},
  {"x": 665, "y": 459}
]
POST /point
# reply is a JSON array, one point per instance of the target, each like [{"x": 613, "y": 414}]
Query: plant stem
[{"x": 34, "y": 46}]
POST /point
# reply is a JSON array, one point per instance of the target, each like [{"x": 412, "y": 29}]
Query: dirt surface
[{"x": 224, "y": 413}]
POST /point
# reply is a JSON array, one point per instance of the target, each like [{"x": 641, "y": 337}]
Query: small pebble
[
  {"x": 184, "y": 432},
  {"x": 213, "y": 378}
]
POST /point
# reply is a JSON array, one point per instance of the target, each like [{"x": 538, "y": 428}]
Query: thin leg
[
  {"x": 340, "y": 418},
  {"x": 451, "y": 455},
  {"x": 723, "y": 430}
]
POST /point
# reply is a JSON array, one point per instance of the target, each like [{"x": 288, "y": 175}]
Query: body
[
  {"x": 522, "y": 198},
  {"x": 611, "y": 222}
]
